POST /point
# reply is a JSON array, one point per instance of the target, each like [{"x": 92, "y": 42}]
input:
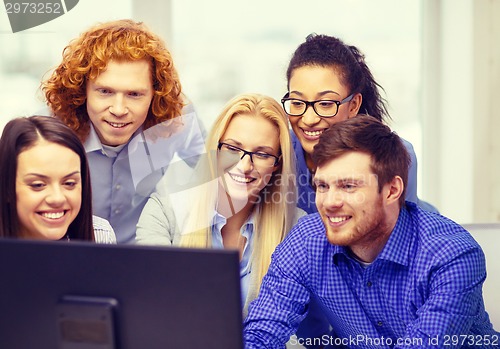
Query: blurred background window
[{"x": 438, "y": 61}]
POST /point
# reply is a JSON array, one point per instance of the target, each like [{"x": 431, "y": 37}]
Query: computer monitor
[{"x": 77, "y": 295}]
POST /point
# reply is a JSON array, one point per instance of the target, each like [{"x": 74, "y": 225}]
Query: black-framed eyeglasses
[
  {"x": 258, "y": 158},
  {"x": 326, "y": 108}
]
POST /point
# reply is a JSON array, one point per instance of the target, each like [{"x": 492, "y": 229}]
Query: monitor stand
[{"x": 86, "y": 322}]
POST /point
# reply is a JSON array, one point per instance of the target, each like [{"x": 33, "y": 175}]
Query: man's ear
[
  {"x": 393, "y": 190},
  {"x": 355, "y": 104}
]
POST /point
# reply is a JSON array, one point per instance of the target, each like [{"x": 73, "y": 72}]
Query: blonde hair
[{"x": 272, "y": 218}]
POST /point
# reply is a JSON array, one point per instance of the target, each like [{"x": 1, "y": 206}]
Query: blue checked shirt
[
  {"x": 123, "y": 178},
  {"x": 423, "y": 290}
]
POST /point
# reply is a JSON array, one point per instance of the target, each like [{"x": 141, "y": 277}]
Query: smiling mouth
[
  {"x": 313, "y": 133},
  {"x": 339, "y": 219},
  {"x": 241, "y": 179},
  {"x": 117, "y": 124},
  {"x": 53, "y": 215}
]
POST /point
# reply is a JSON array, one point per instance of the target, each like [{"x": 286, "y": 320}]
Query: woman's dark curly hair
[{"x": 348, "y": 62}]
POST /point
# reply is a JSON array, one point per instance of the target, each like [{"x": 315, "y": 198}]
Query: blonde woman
[{"x": 248, "y": 200}]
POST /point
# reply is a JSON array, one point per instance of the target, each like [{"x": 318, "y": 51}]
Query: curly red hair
[{"x": 88, "y": 55}]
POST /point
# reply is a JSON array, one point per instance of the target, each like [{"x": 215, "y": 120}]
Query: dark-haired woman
[{"x": 45, "y": 189}]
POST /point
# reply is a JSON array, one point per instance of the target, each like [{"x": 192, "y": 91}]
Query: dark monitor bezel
[{"x": 167, "y": 297}]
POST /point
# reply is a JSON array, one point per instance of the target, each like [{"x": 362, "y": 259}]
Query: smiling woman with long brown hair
[{"x": 45, "y": 189}]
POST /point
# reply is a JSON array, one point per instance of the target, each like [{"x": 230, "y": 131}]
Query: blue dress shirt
[
  {"x": 424, "y": 290},
  {"x": 315, "y": 325},
  {"x": 123, "y": 177},
  {"x": 246, "y": 231}
]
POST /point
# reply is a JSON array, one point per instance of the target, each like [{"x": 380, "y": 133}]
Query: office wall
[{"x": 461, "y": 81}]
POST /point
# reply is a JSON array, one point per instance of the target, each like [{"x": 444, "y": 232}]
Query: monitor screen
[{"x": 76, "y": 295}]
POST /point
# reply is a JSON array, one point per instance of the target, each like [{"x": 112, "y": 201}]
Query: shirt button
[
  {"x": 379, "y": 323},
  {"x": 117, "y": 211},
  {"x": 369, "y": 284},
  {"x": 118, "y": 187}
]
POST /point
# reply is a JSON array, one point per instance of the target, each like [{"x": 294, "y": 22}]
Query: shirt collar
[
  {"x": 399, "y": 244},
  {"x": 218, "y": 221},
  {"x": 300, "y": 158},
  {"x": 93, "y": 143}
]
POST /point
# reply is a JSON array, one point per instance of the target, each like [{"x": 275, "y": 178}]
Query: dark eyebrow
[
  {"x": 317, "y": 181},
  {"x": 321, "y": 94},
  {"x": 72, "y": 174},
  {"x": 351, "y": 180},
  {"x": 45, "y": 177},
  {"x": 341, "y": 180}
]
